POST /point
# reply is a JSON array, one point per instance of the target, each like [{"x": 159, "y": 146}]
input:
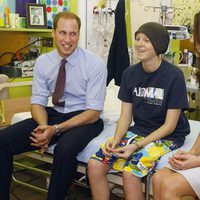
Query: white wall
[
  {"x": 139, "y": 15},
  {"x": 82, "y": 13},
  {"x": 146, "y": 10},
  {"x": 95, "y": 36}
]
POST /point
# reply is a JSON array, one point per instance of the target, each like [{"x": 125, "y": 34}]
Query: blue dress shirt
[{"x": 85, "y": 80}]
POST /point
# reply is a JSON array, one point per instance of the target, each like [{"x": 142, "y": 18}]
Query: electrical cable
[
  {"x": 42, "y": 39},
  {"x": 21, "y": 56},
  {"x": 22, "y": 59},
  {"x": 3, "y": 54},
  {"x": 13, "y": 54}
]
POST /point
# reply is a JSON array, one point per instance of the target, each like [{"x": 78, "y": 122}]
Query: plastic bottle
[
  {"x": 185, "y": 56},
  {"x": 6, "y": 17},
  {"x": 193, "y": 76}
]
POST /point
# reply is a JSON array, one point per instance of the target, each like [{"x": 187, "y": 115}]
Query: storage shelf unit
[
  {"x": 28, "y": 30},
  {"x": 11, "y": 40}
]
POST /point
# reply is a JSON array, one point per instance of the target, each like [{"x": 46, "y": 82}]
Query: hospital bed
[{"x": 110, "y": 116}]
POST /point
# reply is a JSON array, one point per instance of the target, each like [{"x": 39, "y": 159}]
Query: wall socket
[{"x": 47, "y": 42}]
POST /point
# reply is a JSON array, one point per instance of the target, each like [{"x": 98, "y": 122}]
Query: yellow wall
[
  {"x": 187, "y": 12},
  {"x": 74, "y": 6},
  {"x": 21, "y": 91}
]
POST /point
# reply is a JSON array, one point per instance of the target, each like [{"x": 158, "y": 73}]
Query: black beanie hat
[{"x": 157, "y": 34}]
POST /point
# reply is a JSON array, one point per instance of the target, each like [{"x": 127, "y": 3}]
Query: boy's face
[
  {"x": 143, "y": 47},
  {"x": 66, "y": 36}
]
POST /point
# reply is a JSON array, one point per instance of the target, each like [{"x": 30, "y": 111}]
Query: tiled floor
[
  {"x": 19, "y": 192},
  {"x": 76, "y": 192},
  {"x": 23, "y": 193}
]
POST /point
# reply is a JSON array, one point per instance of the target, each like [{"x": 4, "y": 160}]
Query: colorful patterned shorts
[{"x": 140, "y": 163}]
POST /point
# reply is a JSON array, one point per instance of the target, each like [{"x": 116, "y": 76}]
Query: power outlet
[{"x": 47, "y": 42}]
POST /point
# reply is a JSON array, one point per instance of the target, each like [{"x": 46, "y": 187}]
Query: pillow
[{"x": 112, "y": 105}]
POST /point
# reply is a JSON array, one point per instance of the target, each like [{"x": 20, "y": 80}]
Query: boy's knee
[
  {"x": 93, "y": 165},
  {"x": 130, "y": 178},
  {"x": 96, "y": 167}
]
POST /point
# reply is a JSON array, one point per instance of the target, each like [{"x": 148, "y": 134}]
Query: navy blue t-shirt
[{"x": 152, "y": 94}]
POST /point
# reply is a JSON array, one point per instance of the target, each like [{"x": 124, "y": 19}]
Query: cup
[
  {"x": 178, "y": 57},
  {"x": 20, "y": 22},
  {"x": 13, "y": 18}
]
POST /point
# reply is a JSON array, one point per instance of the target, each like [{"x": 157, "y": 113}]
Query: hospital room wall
[
  {"x": 85, "y": 11},
  {"x": 90, "y": 38},
  {"x": 96, "y": 35}
]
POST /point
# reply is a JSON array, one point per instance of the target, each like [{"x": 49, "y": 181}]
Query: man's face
[{"x": 66, "y": 36}]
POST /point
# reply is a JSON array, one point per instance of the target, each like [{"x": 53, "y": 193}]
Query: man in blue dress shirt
[{"x": 71, "y": 125}]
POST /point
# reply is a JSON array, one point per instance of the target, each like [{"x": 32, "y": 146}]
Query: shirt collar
[{"x": 72, "y": 59}]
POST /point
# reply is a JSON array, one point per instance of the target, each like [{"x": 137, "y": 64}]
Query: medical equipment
[{"x": 178, "y": 32}]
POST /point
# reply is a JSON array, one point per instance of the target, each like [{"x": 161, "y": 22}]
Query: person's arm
[
  {"x": 124, "y": 121},
  {"x": 195, "y": 150},
  {"x": 167, "y": 128},
  {"x": 42, "y": 135},
  {"x": 122, "y": 127},
  {"x": 86, "y": 117},
  {"x": 186, "y": 160},
  {"x": 39, "y": 114}
]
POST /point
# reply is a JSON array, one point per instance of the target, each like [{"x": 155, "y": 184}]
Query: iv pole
[{"x": 163, "y": 9}]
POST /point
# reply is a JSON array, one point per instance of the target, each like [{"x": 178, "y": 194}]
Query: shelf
[
  {"x": 26, "y": 30},
  {"x": 184, "y": 65}
]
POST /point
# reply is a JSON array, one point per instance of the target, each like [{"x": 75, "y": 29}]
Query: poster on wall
[
  {"x": 53, "y": 7},
  {"x": 7, "y": 3}
]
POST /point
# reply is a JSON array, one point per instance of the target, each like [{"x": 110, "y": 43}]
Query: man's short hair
[{"x": 66, "y": 15}]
